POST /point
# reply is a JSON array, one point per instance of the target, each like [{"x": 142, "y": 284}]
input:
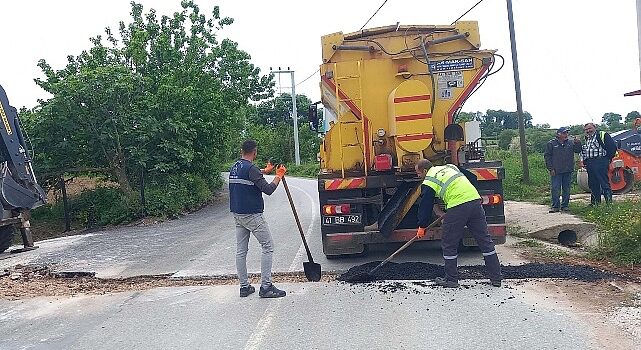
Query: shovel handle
[
  {"x": 300, "y": 228},
  {"x": 407, "y": 244}
]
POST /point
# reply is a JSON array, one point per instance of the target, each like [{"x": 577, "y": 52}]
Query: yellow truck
[{"x": 391, "y": 96}]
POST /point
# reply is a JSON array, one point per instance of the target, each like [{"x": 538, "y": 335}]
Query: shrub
[
  {"x": 619, "y": 227},
  {"x": 177, "y": 193}
]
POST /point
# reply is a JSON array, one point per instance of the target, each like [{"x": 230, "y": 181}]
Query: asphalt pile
[{"x": 425, "y": 271}]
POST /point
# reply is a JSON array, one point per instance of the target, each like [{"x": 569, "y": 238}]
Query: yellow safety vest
[{"x": 450, "y": 185}]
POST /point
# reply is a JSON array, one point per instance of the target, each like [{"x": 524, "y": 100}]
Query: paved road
[
  {"x": 313, "y": 315},
  {"x": 203, "y": 243}
]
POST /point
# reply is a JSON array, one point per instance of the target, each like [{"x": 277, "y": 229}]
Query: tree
[
  {"x": 165, "y": 95},
  {"x": 279, "y": 110},
  {"x": 611, "y": 120},
  {"x": 505, "y": 138},
  {"x": 632, "y": 116}
]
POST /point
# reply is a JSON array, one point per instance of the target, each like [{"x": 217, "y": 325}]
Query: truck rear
[{"x": 391, "y": 95}]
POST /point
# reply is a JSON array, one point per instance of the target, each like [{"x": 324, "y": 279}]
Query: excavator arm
[{"x": 19, "y": 189}]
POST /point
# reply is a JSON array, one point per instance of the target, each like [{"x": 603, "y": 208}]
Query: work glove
[
  {"x": 268, "y": 168},
  {"x": 280, "y": 171},
  {"x": 420, "y": 232}
]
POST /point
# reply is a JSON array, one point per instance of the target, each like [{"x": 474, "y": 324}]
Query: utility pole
[
  {"x": 517, "y": 89},
  {"x": 294, "y": 112}
]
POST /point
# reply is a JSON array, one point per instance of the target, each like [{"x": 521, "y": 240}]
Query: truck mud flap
[{"x": 395, "y": 209}]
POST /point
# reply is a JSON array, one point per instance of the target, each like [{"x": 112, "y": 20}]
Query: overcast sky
[{"x": 576, "y": 57}]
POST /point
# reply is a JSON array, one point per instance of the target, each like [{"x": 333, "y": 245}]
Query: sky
[{"x": 576, "y": 58}]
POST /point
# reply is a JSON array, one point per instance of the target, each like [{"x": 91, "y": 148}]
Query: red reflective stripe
[
  {"x": 343, "y": 96},
  {"x": 334, "y": 185},
  {"x": 402, "y": 118},
  {"x": 414, "y": 137},
  {"x": 412, "y": 98},
  {"x": 468, "y": 89},
  {"x": 486, "y": 174},
  {"x": 356, "y": 182}
]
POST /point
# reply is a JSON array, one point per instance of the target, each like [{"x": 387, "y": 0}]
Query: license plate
[{"x": 342, "y": 220}]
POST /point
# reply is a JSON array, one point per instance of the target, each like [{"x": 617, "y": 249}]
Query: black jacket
[{"x": 560, "y": 156}]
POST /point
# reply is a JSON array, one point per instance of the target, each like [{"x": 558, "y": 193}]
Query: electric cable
[
  {"x": 466, "y": 12},
  {"x": 379, "y": 8},
  {"x": 306, "y": 79}
]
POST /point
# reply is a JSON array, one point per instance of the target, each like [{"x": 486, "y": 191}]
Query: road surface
[{"x": 520, "y": 315}]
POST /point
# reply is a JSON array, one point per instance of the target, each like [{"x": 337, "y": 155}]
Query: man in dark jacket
[
  {"x": 559, "y": 160},
  {"x": 246, "y": 188},
  {"x": 597, "y": 152}
]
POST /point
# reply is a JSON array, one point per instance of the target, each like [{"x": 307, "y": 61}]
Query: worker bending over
[{"x": 464, "y": 208}]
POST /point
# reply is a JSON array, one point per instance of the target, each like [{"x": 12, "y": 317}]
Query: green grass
[
  {"x": 538, "y": 189},
  {"x": 619, "y": 227},
  {"x": 529, "y": 243}
]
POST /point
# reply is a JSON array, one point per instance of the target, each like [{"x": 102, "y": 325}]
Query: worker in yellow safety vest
[{"x": 464, "y": 208}]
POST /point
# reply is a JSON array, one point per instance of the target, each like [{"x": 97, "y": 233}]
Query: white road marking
[{"x": 256, "y": 338}]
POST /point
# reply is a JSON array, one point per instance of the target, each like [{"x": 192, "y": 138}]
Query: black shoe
[
  {"x": 445, "y": 283},
  {"x": 496, "y": 283},
  {"x": 566, "y": 209},
  {"x": 271, "y": 292},
  {"x": 245, "y": 291},
  {"x": 554, "y": 210}
]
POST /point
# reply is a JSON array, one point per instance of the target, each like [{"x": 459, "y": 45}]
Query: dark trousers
[
  {"x": 472, "y": 215},
  {"x": 598, "y": 180},
  {"x": 561, "y": 185}
]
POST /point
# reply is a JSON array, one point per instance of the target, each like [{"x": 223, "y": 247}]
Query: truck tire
[{"x": 6, "y": 237}]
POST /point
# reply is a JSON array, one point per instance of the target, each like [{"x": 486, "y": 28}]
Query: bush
[
  {"x": 619, "y": 227},
  {"x": 178, "y": 193},
  {"x": 104, "y": 206},
  {"x": 310, "y": 170}
]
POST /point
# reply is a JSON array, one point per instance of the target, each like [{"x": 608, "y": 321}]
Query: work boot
[
  {"x": 445, "y": 283},
  {"x": 245, "y": 291},
  {"x": 565, "y": 209},
  {"x": 271, "y": 292},
  {"x": 554, "y": 210},
  {"x": 496, "y": 283}
]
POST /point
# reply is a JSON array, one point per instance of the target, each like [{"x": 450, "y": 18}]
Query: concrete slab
[{"x": 535, "y": 221}]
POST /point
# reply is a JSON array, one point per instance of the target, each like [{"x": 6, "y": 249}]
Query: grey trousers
[
  {"x": 256, "y": 224},
  {"x": 472, "y": 215}
]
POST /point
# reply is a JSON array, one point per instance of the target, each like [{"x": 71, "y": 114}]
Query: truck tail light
[
  {"x": 492, "y": 199},
  {"x": 383, "y": 162},
  {"x": 336, "y": 209}
]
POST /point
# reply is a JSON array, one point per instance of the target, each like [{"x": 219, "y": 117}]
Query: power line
[
  {"x": 466, "y": 12},
  {"x": 375, "y": 12},
  {"x": 379, "y": 8},
  {"x": 306, "y": 79}
]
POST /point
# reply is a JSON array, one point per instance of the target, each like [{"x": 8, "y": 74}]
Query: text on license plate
[{"x": 342, "y": 220}]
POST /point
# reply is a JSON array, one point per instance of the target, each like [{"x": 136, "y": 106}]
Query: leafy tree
[
  {"x": 632, "y": 116},
  {"x": 279, "y": 110},
  {"x": 611, "y": 120},
  {"x": 164, "y": 94},
  {"x": 506, "y": 137}
]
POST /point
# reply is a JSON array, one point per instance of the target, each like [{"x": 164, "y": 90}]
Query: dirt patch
[
  {"x": 551, "y": 256},
  {"x": 426, "y": 271},
  {"x": 21, "y": 282}
]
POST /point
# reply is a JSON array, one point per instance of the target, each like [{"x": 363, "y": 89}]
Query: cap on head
[{"x": 563, "y": 130}]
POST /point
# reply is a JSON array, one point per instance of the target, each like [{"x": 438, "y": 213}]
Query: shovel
[
  {"x": 312, "y": 269},
  {"x": 369, "y": 276}
]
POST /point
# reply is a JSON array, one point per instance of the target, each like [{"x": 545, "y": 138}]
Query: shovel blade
[{"x": 312, "y": 271}]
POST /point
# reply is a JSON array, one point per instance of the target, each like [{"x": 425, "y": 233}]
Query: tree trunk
[{"x": 121, "y": 176}]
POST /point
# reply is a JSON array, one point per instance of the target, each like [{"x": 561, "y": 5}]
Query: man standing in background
[
  {"x": 597, "y": 152},
  {"x": 559, "y": 160}
]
